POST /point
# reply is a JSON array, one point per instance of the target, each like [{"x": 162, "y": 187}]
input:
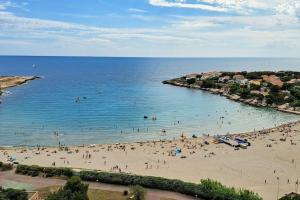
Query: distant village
[{"x": 279, "y": 90}]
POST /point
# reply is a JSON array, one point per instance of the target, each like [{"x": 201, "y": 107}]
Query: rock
[{"x": 284, "y": 106}]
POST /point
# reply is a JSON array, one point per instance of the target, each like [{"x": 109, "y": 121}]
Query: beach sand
[{"x": 269, "y": 167}]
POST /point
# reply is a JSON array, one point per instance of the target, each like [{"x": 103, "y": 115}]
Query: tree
[
  {"x": 191, "y": 80},
  {"x": 12, "y": 194},
  {"x": 295, "y": 103},
  {"x": 208, "y": 83},
  {"x": 73, "y": 190},
  {"x": 138, "y": 193},
  {"x": 274, "y": 88},
  {"x": 295, "y": 91}
]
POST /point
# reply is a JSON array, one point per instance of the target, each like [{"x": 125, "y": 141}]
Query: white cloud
[
  {"x": 288, "y": 7},
  {"x": 268, "y": 35},
  {"x": 136, "y": 10},
  {"x": 9, "y": 4},
  {"x": 183, "y": 4}
]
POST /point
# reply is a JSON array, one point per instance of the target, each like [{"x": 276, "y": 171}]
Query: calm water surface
[{"x": 119, "y": 92}]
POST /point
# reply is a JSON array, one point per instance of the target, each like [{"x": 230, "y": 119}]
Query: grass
[
  {"x": 105, "y": 195},
  {"x": 93, "y": 194}
]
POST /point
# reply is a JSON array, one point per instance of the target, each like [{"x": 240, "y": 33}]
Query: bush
[
  {"x": 191, "y": 81},
  {"x": 295, "y": 91},
  {"x": 125, "y": 192},
  {"x": 138, "y": 193},
  {"x": 208, "y": 83},
  {"x": 275, "y": 98},
  {"x": 254, "y": 87},
  {"x": 47, "y": 171},
  {"x": 73, "y": 190},
  {"x": 5, "y": 167},
  {"x": 206, "y": 189},
  {"x": 291, "y": 197},
  {"x": 12, "y": 194},
  {"x": 295, "y": 103}
]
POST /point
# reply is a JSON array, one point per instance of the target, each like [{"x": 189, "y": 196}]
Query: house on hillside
[
  {"x": 224, "y": 79},
  {"x": 273, "y": 79},
  {"x": 255, "y": 82},
  {"x": 240, "y": 79}
]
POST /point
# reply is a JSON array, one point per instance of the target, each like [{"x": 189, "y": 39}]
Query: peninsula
[
  {"x": 278, "y": 90},
  {"x": 12, "y": 81}
]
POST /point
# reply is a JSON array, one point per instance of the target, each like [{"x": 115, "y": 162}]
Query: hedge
[
  {"x": 5, "y": 166},
  {"x": 46, "y": 171},
  {"x": 206, "y": 189}
]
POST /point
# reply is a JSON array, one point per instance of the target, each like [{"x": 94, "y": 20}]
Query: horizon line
[{"x": 163, "y": 57}]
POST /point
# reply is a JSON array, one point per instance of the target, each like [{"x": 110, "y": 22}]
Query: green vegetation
[
  {"x": 73, "y": 190},
  {"x": 93, "y": 194},
  {"x": 12, "y": 194},
  {"x": 191, "y": 81},
  {"x": 279, "y": 90},
  {"x": 5, "y": 166},
  {"x": 43, "y": 171},
  {"x": 291, "y": 196},
  {"x": 138, "y": 193},
  {"x": 209, "y": 83},
  {"x": 206, "y": 189}
]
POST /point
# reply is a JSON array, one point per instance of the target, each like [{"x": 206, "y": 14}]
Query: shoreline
[
  {"x": 13, "y": 81},
  {"x": 230, "y": 97},
  {"x": 240, "y": 134},
  {"x": 273, "y": 153}
]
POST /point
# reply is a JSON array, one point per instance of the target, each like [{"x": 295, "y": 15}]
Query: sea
[{"x": 96, "y": 100}]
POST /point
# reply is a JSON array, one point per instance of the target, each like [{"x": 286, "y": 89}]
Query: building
[
  {"x": 255, "y": 82},
  {"x": 293, "y": 81},
  {"x": 240, "y": 79},
  {"x": 274, "y": 80},
  {"x": 224, "y": 79}
]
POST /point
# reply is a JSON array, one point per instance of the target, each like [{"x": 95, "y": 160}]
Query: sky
[{"x": 151, "y": 28}]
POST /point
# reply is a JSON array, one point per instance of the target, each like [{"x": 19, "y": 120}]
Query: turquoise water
[{"x": 119, "y": 92}]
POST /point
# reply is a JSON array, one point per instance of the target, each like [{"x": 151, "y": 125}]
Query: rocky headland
[
  {"x": 12, "y": 81},
  {"x": 278, "y": 90}
]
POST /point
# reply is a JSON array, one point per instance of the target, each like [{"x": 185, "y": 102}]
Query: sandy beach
[{"x": 270, "y": 166}]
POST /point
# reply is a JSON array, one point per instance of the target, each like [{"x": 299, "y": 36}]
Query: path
[{"x": 40, "y": 182}]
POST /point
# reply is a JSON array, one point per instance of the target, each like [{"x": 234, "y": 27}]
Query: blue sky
[{"x": 180, "y": 28}]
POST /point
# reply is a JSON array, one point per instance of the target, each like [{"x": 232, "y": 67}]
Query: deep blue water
[{"x": 119, "y": 92}]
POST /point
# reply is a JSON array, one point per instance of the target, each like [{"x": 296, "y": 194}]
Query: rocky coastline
[
  {"x": 13, "y": 81},
  {"x": 223, "y": 91}
]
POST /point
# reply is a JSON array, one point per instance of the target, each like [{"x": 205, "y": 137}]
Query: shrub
[
  {"x": 206, "y": 189},
  {"x": 208, "y": 83},
  {"x": 295, "y": 91},
  {"x": 191, "y": 81},
  {"x": 275, "y": 98},
  {"x": 47, "y": 171},
  {"x": 254, "y": 87},
  {"x": 125, "y": 192},
  {"x": 74, "y": 189},
  {"x": 138, "y": 193},
  {"x": 12, "y": 194},
  {"x": 5, "y": 166}
]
